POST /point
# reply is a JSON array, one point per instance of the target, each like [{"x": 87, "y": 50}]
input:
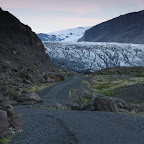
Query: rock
[
  {"x": 26, "y": 76},
  {"x": 123, "y": 110},
  {"x": 8, "y": 106},
  {"x": 88, "y": 107},
  {"x": 17, "y": 124},
  {"x": 59, "y": 106},
  {"x": 75, "y": 106},
  {"x": 105, "y": 104},
  {"x": 3, "y": 115},
  {"x": 49, "y": 80},
  {"x": 4, "y": 124},
  {"x": 1, "y": 98},
  {"x": 26, "y": 81},
  {"x": 133, "y": 111},
  {"x": 9, "y": 110},
  {"x": 120, "y": 105},
  {"x": 29, "y": 102},
  {"x": 11, "y": 102},
  {"x": 28, "y": 97}
]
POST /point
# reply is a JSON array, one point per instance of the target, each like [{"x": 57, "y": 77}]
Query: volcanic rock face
[
  {"x": 127, "y": 28},
  {"x": 19, "y": 45}
]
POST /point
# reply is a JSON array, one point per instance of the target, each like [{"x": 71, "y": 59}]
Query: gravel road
[{"x": 76, "y": 127}]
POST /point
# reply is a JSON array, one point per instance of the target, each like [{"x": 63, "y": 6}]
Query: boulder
[
  {"x": 17, "y": 124},
  {"x": 4, "y": 124},
  {"x": 75, "y": 106},
  {"x": 28, "y": 97},
  {"x": 29, "y": 102},
  {"x": 25, "y": 81},
  {"x": 3, "y": 115},
  {"x": 88, "y": 107},
  {"x": 9, "y": 110},
  {"x": 105, "y": 104}
]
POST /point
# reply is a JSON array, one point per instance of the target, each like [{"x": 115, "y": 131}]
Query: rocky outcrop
[
  {"x": 19, "y": 45},
  {"x": 4, "y": 124},
  {"x": 98, "y": 102},
  {"x": 127, "y": 28},
  {"x": 105, "y": 104},
  {"x": 9, "y": 122},
  {"x": 27, "y": 98}
]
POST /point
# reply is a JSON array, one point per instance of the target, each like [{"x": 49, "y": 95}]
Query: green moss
[
  {"x": 102, "y": 86},
  {"x": 18, "y": 115},
  {"x": 34, "y": 81},
  {"x": 32, "y": 69},
  {"x": 4, "y": 79},
  {"x": 4, "y": 141},
  {"x": 86, "y": 100},
  {"x": 73, "y": 91},
  {"x": 16, "y": 78},
  {"x": 39, "y": 87},
  {"x": 128, "y": 71},
  {"x": 133, "y": 113},
  {"x": 107, "y": 84},
  {"x": 109, "y": 93}
]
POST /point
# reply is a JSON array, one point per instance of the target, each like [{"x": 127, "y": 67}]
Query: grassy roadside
[
  {"x": 107, "y": 84},
  {"x": 39, "y": 87},
  {"x": 116, "y": 83}
]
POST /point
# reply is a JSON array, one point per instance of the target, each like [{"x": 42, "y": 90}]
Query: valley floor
[{"x": 54, "y": 126}]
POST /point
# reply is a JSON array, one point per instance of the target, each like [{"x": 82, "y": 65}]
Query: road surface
[{"x": 45, "y": 126}]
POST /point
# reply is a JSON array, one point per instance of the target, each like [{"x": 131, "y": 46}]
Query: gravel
[{"x": 76, "y": 127}]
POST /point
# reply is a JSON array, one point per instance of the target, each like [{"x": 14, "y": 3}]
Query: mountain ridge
[{"x": 128, "y": 28}]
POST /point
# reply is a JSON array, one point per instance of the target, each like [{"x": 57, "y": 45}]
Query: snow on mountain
[
  {"x": 69, "y": 35},
  {"x": 91, "y": 56}
]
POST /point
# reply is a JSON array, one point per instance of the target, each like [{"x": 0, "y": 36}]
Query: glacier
[{"x": 92, "y": 56}]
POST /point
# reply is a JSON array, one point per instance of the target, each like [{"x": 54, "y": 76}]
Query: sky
[{"x": 45, "y": 16}]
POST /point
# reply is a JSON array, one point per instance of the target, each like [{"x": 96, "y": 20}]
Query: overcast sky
[{"x": 45, "y": 16}]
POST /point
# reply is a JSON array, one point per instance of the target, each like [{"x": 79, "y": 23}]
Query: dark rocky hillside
[
  {"x": 127, "y": 28},
  {"x": 19, "y": 46}
]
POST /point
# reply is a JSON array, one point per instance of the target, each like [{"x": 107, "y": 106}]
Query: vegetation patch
[
  {"x": 39, "y": 87},
  {"x": 107, "y": 84},
  {"x": 4, "y": 141},
  {"x": 129, "y": 71}
]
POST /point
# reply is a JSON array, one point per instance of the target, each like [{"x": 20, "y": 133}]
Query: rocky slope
[
  {"x": 25, "y": 68},
  {"x": 127, "y": 28},
  {"x": 20, "y": 46}
]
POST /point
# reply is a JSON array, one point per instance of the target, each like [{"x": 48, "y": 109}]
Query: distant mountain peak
[{"x": 72, "y": 35}]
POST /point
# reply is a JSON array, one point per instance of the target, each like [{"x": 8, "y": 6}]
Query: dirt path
[{"x": 45, "y": 126}]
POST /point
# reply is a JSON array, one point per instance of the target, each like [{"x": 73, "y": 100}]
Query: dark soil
[{"x": 133, "y": 92}]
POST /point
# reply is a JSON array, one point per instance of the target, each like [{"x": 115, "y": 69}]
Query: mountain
[
  {"x": 64, "y": 35},
  {"x": 127, "y": 28},
  {"x": 19, "y": 45}
]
